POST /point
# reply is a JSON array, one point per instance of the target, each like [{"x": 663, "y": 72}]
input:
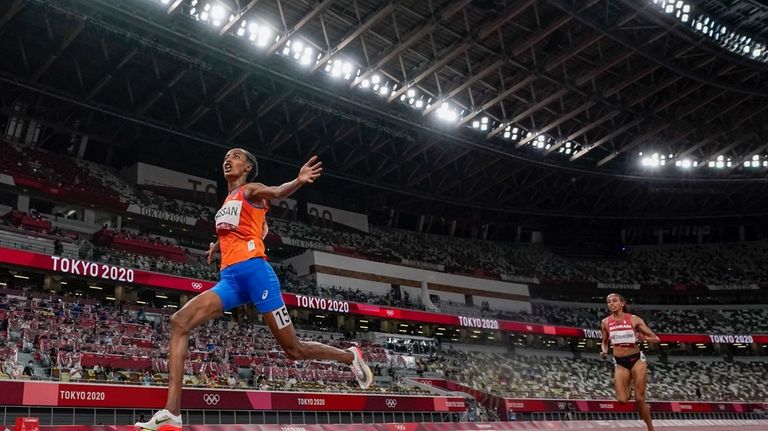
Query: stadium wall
[{"x": 353, "y": 273}]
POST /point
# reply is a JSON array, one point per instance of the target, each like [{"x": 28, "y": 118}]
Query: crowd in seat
[
  {"x": 145, "y": 198},
  {"x": 55, "y": 171},
  {"x": 668, "y": 319},
  {"x": 127, "y": 259},
  {"x": 522, "y": 376},
  {"x": 701, "y": 264},
  {"x": 140, "y": 243},
  {"x": 82, "y": 340}
]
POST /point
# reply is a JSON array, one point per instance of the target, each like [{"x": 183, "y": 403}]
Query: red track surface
[{"x": 661, "y": 425}]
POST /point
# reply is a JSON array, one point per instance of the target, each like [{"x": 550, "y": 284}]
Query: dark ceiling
[{"x": 612, "y": 78}]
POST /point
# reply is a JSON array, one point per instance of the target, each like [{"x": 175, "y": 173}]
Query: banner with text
[
  {"x": 161, "y": 215},
  {"x": 143, "y": 397}
]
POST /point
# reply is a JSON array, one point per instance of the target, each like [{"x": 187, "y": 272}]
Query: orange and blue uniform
[{"x": 245, "y": 274}]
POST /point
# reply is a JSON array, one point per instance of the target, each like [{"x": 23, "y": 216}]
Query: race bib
[
  {"x": 228, "y": 217},
  {"x": 626, "y": 336}
]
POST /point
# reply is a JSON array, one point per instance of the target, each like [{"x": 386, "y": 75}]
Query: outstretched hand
[{"x": 310, "y": 171}]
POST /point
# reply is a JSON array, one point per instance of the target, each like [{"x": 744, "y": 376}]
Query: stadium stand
[{"x": 523, "y": 376}]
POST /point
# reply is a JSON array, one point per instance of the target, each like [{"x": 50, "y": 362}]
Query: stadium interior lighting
[
  {"x": 481, "y": 124},
  {"x": 256, "y": 33},
  {"x": 732, "y": 40},
  {"x": 23, "y": 277},
  {"x": 95, "y": 287},
  {"x": 213, "y": 13},
  {"x": 654, "y": 160},
  {"x": 755, "y": 162},
  {"x": 568, "y": 147},
  {"x": 218, "y": 12},
  {"x": 446, "y": 113},
  {"x": 512, "y": 133},
  {"x": 720, "y": 162}
]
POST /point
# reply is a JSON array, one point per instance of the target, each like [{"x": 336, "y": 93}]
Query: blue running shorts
[{"x": 253, "y": 281}]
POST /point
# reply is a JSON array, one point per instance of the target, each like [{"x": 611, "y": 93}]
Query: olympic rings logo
[
  {"x": 391, "y": 403},
  {"x": 196, "y": 285},
  {"x": 211, "y": 399}
]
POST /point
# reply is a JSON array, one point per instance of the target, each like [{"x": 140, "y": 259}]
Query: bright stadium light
[
  {"x": 446, "y": 113},
  {"x": 654, "y": 161},
  {"x": 718, "y": 32}
]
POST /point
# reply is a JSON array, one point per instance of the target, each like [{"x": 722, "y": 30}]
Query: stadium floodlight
[
  {"x": 484, "y": 124},
  {"x": 383, "y": 90},
  {"x": 411, "y": 93},
  {"x": 218, "y": 14},
  {"x": 376, "y": 79},
  {"x": 654, "y": 161},
  {"x": 348, "y": 68},
  {"x": 419, "y": 104},
  {"x": 365, "y": 83},
  {"x": 306, "y": 56},
  {"x": 446, "y": 112},
  {"x": 264, "y": 36}
]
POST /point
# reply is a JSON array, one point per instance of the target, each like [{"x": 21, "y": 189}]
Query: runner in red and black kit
[{"x": 624, "y": 331}]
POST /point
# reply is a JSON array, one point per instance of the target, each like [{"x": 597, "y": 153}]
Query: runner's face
[
  {"x": 236, "y": 164},
  {"x": 614, "y": 303}
]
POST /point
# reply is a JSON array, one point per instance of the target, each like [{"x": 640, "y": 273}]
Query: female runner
[
  {"x": 624, "y": 331},
  {"x": 245, "y": 277}
]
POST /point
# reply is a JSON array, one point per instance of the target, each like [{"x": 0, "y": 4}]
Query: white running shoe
[
  {"x": 360, "y": 369},
  {"x": 161, "y": 419}
]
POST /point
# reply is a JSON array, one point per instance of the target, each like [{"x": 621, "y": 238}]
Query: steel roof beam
[
  {"x": 607, "y": 138},
  {"x": 494, "y": 65},
  {"x": 498, "y": 98},
  {"x": 417, "y": 34},
  {"x": 451, "y": 52},
  {"x": 377, "y": 16},
  {"x": 240, "y": 14},
  {"x": 224, "y": 92},
  {"x": 62, "y": 46},
  {"x": 317, "y": 10}
]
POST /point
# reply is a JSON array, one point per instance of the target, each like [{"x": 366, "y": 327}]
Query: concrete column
[
  {"x": 119, "y": 293},
  {"x": 52, "y": 283},
  {"x": 22, "y": 204},
  {"x": 89, "y": 216},
  {"x": 81, "y": 146}
]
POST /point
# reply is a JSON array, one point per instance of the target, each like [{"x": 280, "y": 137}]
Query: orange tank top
[{"x": 241, "y": 226}]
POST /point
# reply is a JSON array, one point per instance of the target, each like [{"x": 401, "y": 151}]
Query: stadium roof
[{"x": 587, "y": 108}]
